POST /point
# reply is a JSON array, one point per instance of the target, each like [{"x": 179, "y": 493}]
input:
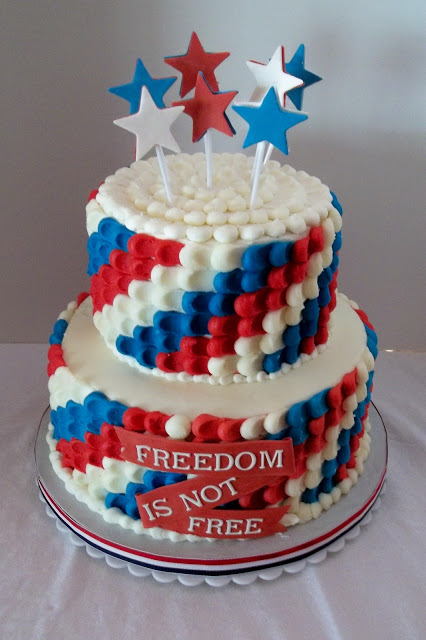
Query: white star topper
[
  {"x": 272, "y": 75},
  {"x": 151, "y": 125}
]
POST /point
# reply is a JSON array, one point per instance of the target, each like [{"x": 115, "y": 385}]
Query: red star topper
[
  {"x": 194, "y": 61},
  {"x": 207, "y": 109}
]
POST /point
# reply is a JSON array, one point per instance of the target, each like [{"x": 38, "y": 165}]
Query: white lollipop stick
[
  {"x": 208, "y": 149},
  {"x": 164, "y": 171},
  {"x": 255, "y": 161},
  {"x": 268, "y": 153},
  {"x": 257, "y": 169}
]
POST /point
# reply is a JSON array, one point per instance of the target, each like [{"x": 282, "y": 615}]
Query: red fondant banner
[
  {"x": 259, "y": 457},
  {"x": 225, "y": 472},
  {"x": 188, "y": 507}
]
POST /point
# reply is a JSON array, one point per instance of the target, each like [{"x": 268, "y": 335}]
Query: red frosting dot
[
  {"x": 248, "y": 305},
  {"x": 155, "y": 422},
  {"x": 253, "y": 500},
  {"x": 341, "y": 473},
  {"x": 321, "y": 336},
  {"x": 142, "y": 246},
  {"x": 333, "y": 417},
  {"x": 221, "y": 326},
  {"x": 229, "y": 430},
  {"x": 92, "y": 195},
  {"x": 278, "y": 277},
  {"x": 296, "y": 272},
  {"x": 194, "y": 346},
  {"x": 274, "y": 493},
  {"x": 134, "y": 419},
  {"x": 316, "y": 444},
  {"x": 307, "y": 345},
  {"x": 220, "y": 346},
  {"x": 121, "y": 261},
  {"x": 248, "y": 327},
  {"x": 167, "y": 253},
  {"x": 205, "y": 428},
  {"x": 196, "y": 366},
  {"x": 300, "y": 251},
  {"x": 56, "y": 359},
  {"x": 170, "y": 362},
  {"x": 275, "y": 299},
  {"x": 82, "y": 297},
  {"x": 334, "y": 397},
  {"x": 141, "y": 269},
  {"x": 316, "y": 425},
  {"x": 349, "y": 383},
  {"x": 316, "y": 240}
]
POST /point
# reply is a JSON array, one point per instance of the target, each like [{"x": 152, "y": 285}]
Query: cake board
[{"x": 220, "y": 562}]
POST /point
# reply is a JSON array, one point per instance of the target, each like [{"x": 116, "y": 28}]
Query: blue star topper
[
  {"x": 132, "y": 91},
  {"x": 296, "y": 67},
  {"x": 269, "y": 121}
]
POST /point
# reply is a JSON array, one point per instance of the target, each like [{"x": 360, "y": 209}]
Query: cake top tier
[{"x": 288, "y": 202}]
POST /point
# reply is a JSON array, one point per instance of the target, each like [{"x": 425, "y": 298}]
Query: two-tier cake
[{"x": 213, "y": 384}]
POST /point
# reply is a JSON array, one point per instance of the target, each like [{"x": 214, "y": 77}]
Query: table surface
[{"x": 374, "y": 588}]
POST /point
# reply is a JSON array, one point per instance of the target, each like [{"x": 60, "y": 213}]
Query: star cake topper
[
  {"x": 132, "y": 91},
  {"x": 272, "y": 74},
  {"x": 196, "y": 60},
  {"x": 296, "y": 66},
  {"x": 269, "y": 121},
  {"x": 151, "y": 125},
  {"x": 207, "y": 109}
]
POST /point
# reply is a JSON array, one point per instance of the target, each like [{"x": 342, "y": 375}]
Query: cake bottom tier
[{"x": 319, "y": 408}]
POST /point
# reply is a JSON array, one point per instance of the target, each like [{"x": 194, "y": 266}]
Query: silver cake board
[{"x": 218, "y": 562}]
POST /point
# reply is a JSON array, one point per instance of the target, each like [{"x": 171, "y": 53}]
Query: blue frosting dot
[
  {"x": 110, "y": 235},
  {"x": 317, "y": 405},
  {"x": 155, "y": 479},
  {"x": 290, "y": 354},
  {"x": 326, "y": 485},
  {"x": 146, "y": 357},
  {"x": 222, "y": 304},
  {"x": 337, "y": 244},
  {"x": 196, "y": 301},
  {"x": 344, "y": 454},
  {"x": 291, "y": 335},
  {"x": 336, "y": 204},
  {"x": 297, "y": 421},
  {"x": 228, "y": 282},
  {"x": 310, "y": 495},
  {"x": 280, "y": 253},
  {"x": 256, "y": 257},
  {"x": 329, "y": 468},
  {"x": 344, "y": 437},
  {"x": 335, "y": 262},
  {"x": 272, "y": 362},
  {"x": 59, "y": 329},
  {"x": 124, "y": 345},
  {"x": 324, "y": 297},
  {"x": 254, "y": 280},
  {"x": 357, "y": 427}
]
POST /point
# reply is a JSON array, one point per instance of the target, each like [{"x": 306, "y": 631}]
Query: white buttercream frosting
[{"x": 287, "y": 203}]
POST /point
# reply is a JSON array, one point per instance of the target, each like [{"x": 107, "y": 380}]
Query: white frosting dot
[
  {"x": 251, "y": 232},
  {"x": 252, "y": 428},
  {"x": 178, "y": 427},
  {"x": 197, "y": 218},
  {"x": 274, "y": 422},
  {"x": 199, "y": 234},
  {"x": 227, "y": 233},
  {"x": 156, "y": 209}
]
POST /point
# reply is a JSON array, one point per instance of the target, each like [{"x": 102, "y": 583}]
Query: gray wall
[{"x": 363, "y": 137}]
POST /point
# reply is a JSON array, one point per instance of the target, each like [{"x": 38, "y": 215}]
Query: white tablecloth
[{"x": 374, "y": 588}]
